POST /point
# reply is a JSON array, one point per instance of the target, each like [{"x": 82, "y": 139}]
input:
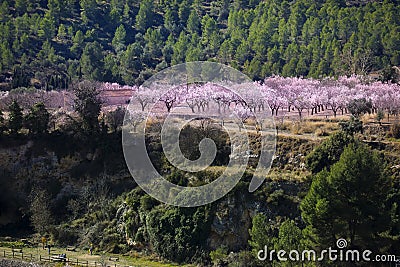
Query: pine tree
[
  {"x": 88, "y": 104},
  {"x": 118, "y": 41},
  {"x": 301, "y": 68},
  {"x": 37, "y": 120},
  {"x": 349, "y": 202},
  {"x": 22, "y": 6},
  {"x": 61, "y": 33},
  {"x": 4, "y": 11},
  {"x": 262, "y": 233},
  {"x": 242, "y": 53},
  {"x": 171, "y": 21},
  {"x": 193, "y": 23},
  {"x": 289, "y": 239},
  {"x": 131, "y": 64},
  {"x": 184, "y": 12},
  {"x": 15, "y": 118},
  {"x": 92, "y": 61},
  {"x": 180, "y": 49},
  {"x": 7, "y": 57},
  {"x": 154, "y": 43},
  {"x": 89, "y": 10},
  {"x": 208, "y": 27},
  {"x": 54, "y": 7},
  {"x": 116, "y": 10},
  {"x": 144, "y": 18},
  {"x": 225, "y": 52},
  {"x": 77, "y": 43},
  {"x": 47, "y": 27}
]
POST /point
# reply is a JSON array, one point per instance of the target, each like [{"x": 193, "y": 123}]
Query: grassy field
[{"x": 85, "y": 259}]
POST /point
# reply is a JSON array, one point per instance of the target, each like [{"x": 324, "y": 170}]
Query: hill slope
[{"x": 48, "y": 43}]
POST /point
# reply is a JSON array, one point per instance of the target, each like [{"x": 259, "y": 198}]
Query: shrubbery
[
  {"x": 178, "y": 234},
  {"x": 328, "y": 152}
]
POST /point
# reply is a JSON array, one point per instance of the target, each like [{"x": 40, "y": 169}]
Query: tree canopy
[
  {"x": 349, "y": 201},
  {"x": 91, "y": 38}
]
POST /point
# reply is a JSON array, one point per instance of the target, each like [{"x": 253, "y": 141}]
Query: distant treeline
[{"x": 48, "y": 43}]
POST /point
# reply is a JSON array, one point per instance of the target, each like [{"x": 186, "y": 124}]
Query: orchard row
[{"x": 281, "y": 95}]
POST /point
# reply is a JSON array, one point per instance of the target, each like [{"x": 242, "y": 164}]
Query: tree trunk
[{"x": 300, "y": 113}]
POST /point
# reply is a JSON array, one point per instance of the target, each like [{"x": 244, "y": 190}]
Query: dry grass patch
[{"x": 316, "y": 127}]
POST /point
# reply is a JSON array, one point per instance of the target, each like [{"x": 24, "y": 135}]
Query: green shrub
[
  {"x": 244, "y": 259},
  {"x": 147, "y": 202},
  {"x": 12, "y": 244},
  {"x": 328, "y": 152},
  {"x": 178, "y": 233},
  {"x": 64, "y": 235},
  {"x": 219, "y": 255},
  {"x": 275, "y": 197}
]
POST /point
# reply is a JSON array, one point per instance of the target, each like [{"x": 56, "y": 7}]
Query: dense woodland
[{"x": 49, "y": 43}]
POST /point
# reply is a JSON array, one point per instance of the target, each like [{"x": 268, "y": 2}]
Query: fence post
[
  {"x": 77, "y": 262},
  {"x": 22, "y": 255},
  {"x": 40, "y": 258},
  {"x": 4, "y": 253},
  {"x": 13, "y": 254},
  {"x": 95, "y": 264}
]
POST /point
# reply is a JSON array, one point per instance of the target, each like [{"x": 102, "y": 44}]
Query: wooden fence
[{"x": 29, "y": 257}]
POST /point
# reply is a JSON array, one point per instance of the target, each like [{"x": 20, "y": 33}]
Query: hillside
[
  {"x": 76, "y": 190},
  {"x": 74, "y": 118},
  {"x": 47, "y": 44}
]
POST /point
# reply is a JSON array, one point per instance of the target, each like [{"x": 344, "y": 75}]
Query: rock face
[
  {"x": 234, "y": 213},
  {"x": 230, "y": 225}
]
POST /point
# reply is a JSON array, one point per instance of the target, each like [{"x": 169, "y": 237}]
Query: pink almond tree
[{"x": 145, "y": 96}]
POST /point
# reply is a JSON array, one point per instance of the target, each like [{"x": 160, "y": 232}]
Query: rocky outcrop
[
  {"x": 231, "y": 223},
  {"x": 234, "y": 213}
]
